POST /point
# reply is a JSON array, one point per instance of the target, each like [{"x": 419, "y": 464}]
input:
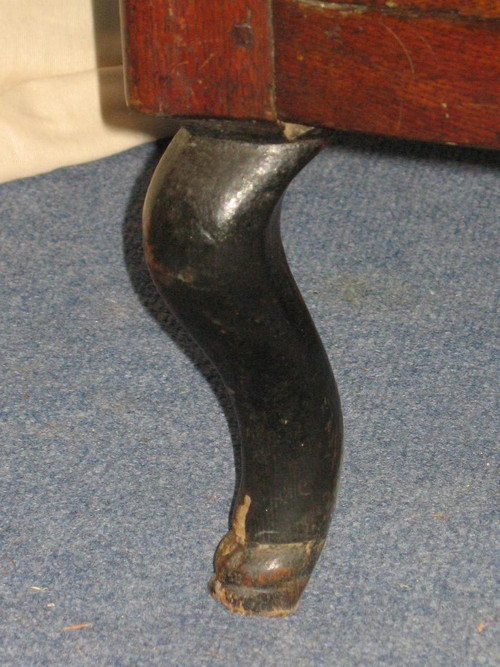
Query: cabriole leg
[{"x": 212, "y": 240}]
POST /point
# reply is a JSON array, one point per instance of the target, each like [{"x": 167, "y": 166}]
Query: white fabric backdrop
[{"x": 61, "y": 86}]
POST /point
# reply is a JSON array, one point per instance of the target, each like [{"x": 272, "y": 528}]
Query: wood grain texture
[
  {"x": 199, "y": 58},
  {"x": 419, "y": 69},
  {"x": 483, "y": 9},
  {"x": 430, "y": 77}
]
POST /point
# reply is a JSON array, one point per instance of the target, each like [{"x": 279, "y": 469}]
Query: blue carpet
[{"x": 116, "y": 468}]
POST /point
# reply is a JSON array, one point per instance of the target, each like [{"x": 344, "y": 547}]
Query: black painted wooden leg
[{"x": 213, "y": 246}]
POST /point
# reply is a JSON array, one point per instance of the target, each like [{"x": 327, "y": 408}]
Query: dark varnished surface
[
  {"x": 427, "y": 70},
  {"x": 214, "y": 250}
]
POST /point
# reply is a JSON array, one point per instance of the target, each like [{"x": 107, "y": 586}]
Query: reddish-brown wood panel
[
  {"x": 415, "y": 76},
  {"x": 199, "y": 58},
  {"x": 456, "y": 8}
]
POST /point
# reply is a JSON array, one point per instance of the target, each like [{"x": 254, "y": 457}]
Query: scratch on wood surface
[
  {"x": 343, "y": 8},
  {"x": 178, "y": 65},
  {"x": 401, "y": 43},
  {"x": 206, "y": 61},
  {"x": 428, "y": 45}
]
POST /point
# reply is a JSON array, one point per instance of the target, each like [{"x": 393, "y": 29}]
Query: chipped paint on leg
[{"x": 240, "y": 519}]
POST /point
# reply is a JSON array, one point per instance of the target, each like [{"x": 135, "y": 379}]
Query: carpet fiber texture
[{"x": 116, "y": 458}]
